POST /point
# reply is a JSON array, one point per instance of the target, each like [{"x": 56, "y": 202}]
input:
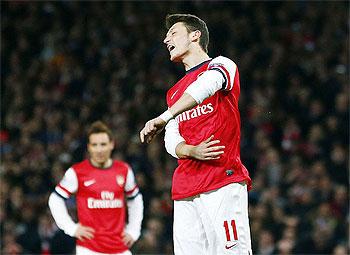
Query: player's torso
[
  {"x": 211, "y": 116},
  {"x": 101, "y": 203},
  {"x": 218, "y": 115}
]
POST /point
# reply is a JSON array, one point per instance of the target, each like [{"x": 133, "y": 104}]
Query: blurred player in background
[
  {"x": 101, "y": 185},
  {"x": 202, "y": 130}
]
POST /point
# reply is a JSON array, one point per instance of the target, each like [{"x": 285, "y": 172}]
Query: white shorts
[
  {"x": 213, "y": 223},
  {"x": 80, "y": 250}
]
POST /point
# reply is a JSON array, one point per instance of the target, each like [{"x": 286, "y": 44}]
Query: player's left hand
[
  {"x": 207, "y": 150},
  {"x": 127, "y": 239},
  {"x": 152, "y": 128}
]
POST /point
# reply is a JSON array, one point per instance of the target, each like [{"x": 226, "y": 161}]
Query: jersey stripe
[
  {"x": 226, "y": 75},
  {"x": 224, "y": 85},
  {"x": 65, "y": 192},
  {"x": 228, "y": 86},
  {"x": 132, "y": 191},
  {"x": 133, "y": 197},
  {"x": 58, "y": 194}
]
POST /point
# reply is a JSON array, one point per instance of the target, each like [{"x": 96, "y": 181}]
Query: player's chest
[
  {"x": 179, "y": 88},
  {"x": 102, "y": 183}
]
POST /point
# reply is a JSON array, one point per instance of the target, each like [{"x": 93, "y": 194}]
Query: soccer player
[
  {"x": 202, "y": 130},
  {"x": 101, "y": 185}
]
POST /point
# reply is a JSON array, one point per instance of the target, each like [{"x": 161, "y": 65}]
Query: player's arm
[
  {"x": 60, "y": 214},
  {"x": 176, "y": 146},
  {"x": 205, "y": 86},
  {"x": 206, "y": 150},
  {"x": 57, "y": 205},
  {"x": 134, "y": 202}
]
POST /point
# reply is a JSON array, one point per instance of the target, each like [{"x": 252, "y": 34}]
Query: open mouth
[{"x": 171, "y": 47}]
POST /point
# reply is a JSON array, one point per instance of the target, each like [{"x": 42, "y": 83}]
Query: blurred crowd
[{"x": 65, "y": 64}]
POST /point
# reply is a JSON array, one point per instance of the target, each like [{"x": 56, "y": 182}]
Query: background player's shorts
[
  {"x": 214, "y": 222},
  {"x": 80, "y": 250}
]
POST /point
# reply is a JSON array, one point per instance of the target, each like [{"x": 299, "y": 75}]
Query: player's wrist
[
  {"x": 166, "y": 116},
  {"x": 184, "y": 150},
  {"x": 189, "y": 151}
]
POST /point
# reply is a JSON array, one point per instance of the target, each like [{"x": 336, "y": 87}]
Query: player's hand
[
  {"x": 83, "y": 232},
  {"x": 152, "y": 128},
  {"x": 127, "y": 239},
  {"x": 207, "y": 150}
]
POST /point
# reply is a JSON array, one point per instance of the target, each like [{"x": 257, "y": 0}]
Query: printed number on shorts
[{"x": 227, "y": 230}]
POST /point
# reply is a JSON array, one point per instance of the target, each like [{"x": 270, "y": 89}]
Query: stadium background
[{"x": 65, "y": 64}]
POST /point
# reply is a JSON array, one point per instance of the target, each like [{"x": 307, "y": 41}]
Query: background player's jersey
[
  {"x": 100, "y": 195},
  {"x": 218, "y": 115}
]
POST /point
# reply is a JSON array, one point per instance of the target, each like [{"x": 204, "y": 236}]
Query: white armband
[{"x": 166, "y": 116}]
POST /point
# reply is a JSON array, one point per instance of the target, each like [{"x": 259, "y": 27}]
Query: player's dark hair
[
  {"x": 99, "y": 127},
  {"x": 192, "y": 23}
]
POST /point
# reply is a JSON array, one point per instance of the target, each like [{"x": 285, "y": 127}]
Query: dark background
[{"x": 65, "y": 64}]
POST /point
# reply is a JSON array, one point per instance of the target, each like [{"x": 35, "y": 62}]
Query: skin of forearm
[
  {"x": 185, "y": 103},
  {"x": 184, "y": 150}
]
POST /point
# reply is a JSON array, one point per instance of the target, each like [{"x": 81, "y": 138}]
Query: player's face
[
  {"x": 178, "y": 42},
  {"x": 100, "y": 148}
]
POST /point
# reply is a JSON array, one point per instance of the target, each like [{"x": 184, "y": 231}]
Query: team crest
[{"x": 120, "y": 180}]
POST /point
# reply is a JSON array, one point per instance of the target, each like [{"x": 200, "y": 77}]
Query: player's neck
[
  {"x": 105, "y": 164},
  {"x": 194, "y": 58}
]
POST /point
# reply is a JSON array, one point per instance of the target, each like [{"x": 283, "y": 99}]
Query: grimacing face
[
  {"x": 177, "y": 41},
  {"x": 100, "y": 148}
]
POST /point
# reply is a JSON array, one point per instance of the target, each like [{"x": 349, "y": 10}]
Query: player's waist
[
  {"x": 222, "y": 164},
  {"x": 104, "y": 247},
  {"x": 191, "y": 198},
  {"x": 180, "y": 191}
]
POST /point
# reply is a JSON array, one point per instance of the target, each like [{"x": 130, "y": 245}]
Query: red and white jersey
[
  {"x": 217, "y": 115},
  {"x": 100, "y": 196}
]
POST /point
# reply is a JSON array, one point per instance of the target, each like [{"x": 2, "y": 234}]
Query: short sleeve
[
  {"x": 68, "y": 185},
  {"x": 227, "y": 68}
]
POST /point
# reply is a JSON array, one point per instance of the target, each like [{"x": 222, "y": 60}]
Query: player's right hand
[
  {"x": 206, "y": 150},
  {"x": 151, "y": 129},
  {"x": 127, "y": 239},
  {"x": 84, "y": 232}
]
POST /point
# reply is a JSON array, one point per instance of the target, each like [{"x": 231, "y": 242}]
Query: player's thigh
[
  {"x": 227, "y": 209},
  {"x": 188, "y": 232}
]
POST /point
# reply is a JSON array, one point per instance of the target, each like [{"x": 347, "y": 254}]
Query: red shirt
[
  {"x": 101, "y": 202},
  {"x": 218, "y": 115}
]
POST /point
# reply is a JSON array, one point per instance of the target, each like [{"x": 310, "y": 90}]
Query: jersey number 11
[{"x": 227, "y": 230}]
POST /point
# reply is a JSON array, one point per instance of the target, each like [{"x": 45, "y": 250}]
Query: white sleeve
[
  {"x": 135, "y": 206},
  {"x": 131, "y": 189},
  {"x": 135, "y": 216},
  {"x": 60, "y": 214},
  {"x": 172, "y": 137},
  {"x": 68, "y": 185},
  {"x": 205, "y": 86},
  {"x": 220, "y": 75},
  {"x": 227, "y": 68}
]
